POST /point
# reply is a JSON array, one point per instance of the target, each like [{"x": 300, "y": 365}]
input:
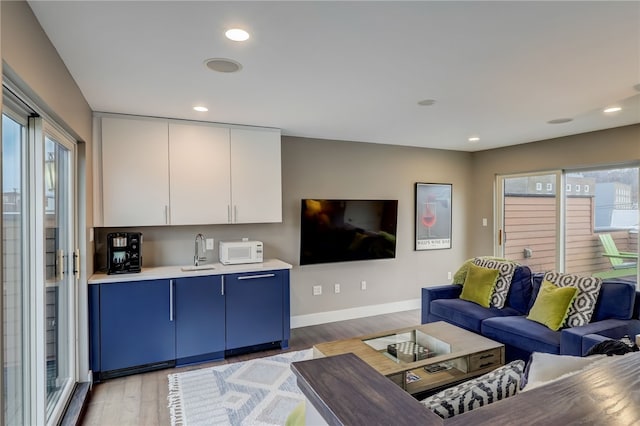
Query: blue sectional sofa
[{"x": 616, "y": 314}]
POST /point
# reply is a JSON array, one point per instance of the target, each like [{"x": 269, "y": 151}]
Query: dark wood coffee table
[{"x": 450, "y": 353}]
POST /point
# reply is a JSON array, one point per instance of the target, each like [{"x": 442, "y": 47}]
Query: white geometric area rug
[{"x": 258, "y": 392}]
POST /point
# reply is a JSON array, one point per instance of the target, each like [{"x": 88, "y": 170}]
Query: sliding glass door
[
  {"x": 602, "y": 219},
  {"x": 58, "y": 255},
  {"x": 38, "y": 273},
  {"x": 578, "y": 221},
  {"x": 529, "y": 219},
  {"x": 15, "y": 259}
]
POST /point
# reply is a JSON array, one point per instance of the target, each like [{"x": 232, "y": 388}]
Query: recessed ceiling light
[
  {"x": 223, "y": 65},
  {"x": 201, "y": 108},
  {"x": 559, "y": 120},
  {"x": 426, "y": 102},
  {"x": 612, "y": 109},
  {"x": 236, "y": 34},
  {"x": 474, "y": 139}
]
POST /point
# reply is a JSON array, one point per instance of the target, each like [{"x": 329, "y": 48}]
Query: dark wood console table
[{"x": 344, "y": 390}]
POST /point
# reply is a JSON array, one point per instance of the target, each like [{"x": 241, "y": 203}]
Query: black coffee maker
[{"x": 124, "y": 252}]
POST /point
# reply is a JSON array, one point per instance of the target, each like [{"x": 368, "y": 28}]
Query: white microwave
[{"x": 238, "y": 252}]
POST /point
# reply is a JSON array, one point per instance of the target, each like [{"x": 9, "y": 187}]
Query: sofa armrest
[
  {"x": 448, "y": 291},
  {"x": 590, "y": 340},
  {"x": 571, "y": 338}
]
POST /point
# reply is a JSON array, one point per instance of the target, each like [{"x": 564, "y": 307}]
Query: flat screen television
[{"x": 347, "y": 230}]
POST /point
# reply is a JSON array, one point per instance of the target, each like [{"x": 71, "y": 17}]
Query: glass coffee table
[{"x": 423, "y": 357}]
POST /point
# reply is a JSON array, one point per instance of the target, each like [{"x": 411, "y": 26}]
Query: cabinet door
[
  {"x": 136, "y": 324},
  {"x": 256, "y": 176},
  {"x": 255, "y": 308},
  {"x": 199, "y": 311},
  {"x": 200, "y": 174},
  {"x": 135, "y": 172}
]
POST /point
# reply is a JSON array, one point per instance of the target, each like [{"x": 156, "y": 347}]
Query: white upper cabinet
[
  {"x": 170, "y": 172},
  {"x": 200, "y": 174},
  {"x": 256, "y": 176},
  {"x": 135, "y": 176}
]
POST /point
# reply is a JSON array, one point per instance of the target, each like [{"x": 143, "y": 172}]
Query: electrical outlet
[
  {"x": 209, "y": 243},
  {"x": 336, "y": 288},
  {"x": 448, "y": 275},
  {"x": 363, "y": 285},
  {"x": 317, "y": 290}
]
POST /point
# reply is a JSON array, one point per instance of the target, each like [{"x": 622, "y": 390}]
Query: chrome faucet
[{"x": 197, "y": 258}]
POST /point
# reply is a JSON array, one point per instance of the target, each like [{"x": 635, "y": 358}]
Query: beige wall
[
  {"x": 607, "y": 147},
  {"x": 32, "y": 63},
  {"x": 330, "y": 169}
]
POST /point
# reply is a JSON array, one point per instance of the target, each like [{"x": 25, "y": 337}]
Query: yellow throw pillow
[
  {"x": 297, "y": 417},
  {"x": 552, "y": 305},
  {"x": 479, "y": 285}
]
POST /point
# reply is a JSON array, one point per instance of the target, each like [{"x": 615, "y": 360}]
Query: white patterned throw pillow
[
  {"x": 494, "y": 386},
  {"x": 506, "y": 270},
  {"x": 583, "y": 305}
]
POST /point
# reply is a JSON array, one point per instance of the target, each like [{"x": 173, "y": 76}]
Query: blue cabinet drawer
[{"x": 257, "y": 308}]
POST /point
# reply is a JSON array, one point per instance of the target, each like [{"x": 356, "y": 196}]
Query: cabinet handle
[
  {"x": 222, "y": 287},
  {"x": 235, "y": 213},
  {"x": 170, "y": 300},
  {"x": 166, "y": 214},
  {"x": 229, "y": 213},
  {"x": 253, "y": 277}
]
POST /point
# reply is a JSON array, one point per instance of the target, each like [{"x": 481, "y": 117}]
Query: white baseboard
[{"x": 352, "y": 313}]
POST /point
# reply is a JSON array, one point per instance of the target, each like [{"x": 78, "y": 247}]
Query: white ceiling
[{"x": 356, "y": 70}]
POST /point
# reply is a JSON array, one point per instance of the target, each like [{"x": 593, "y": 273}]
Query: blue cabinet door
[
  {"x": 256, "y": 306},
  {"x": 136, "y": 324},
  {"x": 200, "y": 322}
]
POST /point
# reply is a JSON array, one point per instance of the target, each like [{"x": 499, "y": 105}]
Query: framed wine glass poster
[{"x": 433, "y": 216}]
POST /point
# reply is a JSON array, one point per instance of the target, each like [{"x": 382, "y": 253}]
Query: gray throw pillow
[{"x": 494, "y": 386}]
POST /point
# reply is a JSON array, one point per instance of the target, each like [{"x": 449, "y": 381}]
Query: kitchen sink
[{"x": 197, "y": 268}]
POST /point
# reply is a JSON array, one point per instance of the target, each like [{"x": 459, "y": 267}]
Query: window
[{"x": 566, "y": 231}]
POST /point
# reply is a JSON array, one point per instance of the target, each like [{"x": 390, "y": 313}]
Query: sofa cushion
[
  {"x": 520, "y": 291},
  {"x": 522, "y": 333},
  {"x": 551, "y": 307},
  {"x": 506, "y": 269},
  {"x": 616, "y": 301},
  {"x": 584, "y": 304},
  {"x": 467, "y": 315},
  {"x": 479, "y": 285},
  {"x": 501, "y": 383}
]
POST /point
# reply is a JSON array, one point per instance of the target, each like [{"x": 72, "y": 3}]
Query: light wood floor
[{"x": 141, "y": 399}]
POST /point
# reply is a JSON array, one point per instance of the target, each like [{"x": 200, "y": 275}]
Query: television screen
[{"x": 346, "y": 230}]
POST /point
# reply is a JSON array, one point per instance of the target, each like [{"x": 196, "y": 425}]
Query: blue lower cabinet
[
  {"x": 136, "y": 324},
  {"x": 257, "y": 309},
  {"x": 200, "y": 322}
]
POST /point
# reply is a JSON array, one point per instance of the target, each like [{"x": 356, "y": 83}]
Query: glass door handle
[{"x": 59, "y": 265}]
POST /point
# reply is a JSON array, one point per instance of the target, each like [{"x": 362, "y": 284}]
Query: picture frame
[{"x": 433, "y": 216}]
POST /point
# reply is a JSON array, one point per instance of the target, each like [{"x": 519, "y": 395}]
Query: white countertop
[{"x": 167, "y": 272}]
